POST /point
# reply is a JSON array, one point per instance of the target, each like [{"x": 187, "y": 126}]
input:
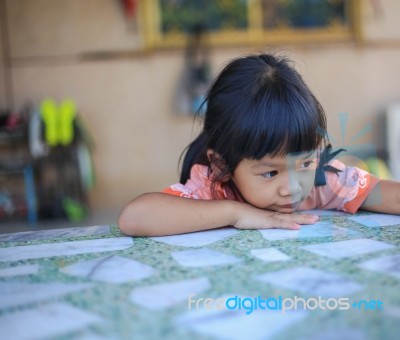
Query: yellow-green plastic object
[
  {"x": 74, "y": 210},
  {"x": 49, "y": 114},
  {"x": 378, "y": 168},
  {"x": 58, "y": 121}
]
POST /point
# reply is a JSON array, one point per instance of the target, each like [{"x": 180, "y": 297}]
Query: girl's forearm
[
  {"x": 384, "y": 198},
  {"x": 156, "y": 214}
]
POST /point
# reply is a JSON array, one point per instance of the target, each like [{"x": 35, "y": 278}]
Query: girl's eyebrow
[
  {"x": 269, "y": 164},
  {"x": 272, "y": 164},
  {"x": 308, "y": 154},
  {"x": 302, "y": 155}
]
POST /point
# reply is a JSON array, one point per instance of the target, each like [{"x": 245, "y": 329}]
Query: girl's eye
[
  {"x": 270, "y": 174},
  {"x": 307, "y": 165}
]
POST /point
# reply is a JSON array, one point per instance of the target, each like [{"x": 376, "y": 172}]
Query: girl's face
[{"x": 278, "y": 184}]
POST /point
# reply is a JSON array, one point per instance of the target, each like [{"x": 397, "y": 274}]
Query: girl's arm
[
  {"x": 158, "y": 214},
  {"x": 384, "y": 198}
]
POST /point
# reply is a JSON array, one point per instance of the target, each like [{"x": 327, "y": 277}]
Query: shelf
[
  {"x": 15, "y": 136},
  {"x": 17, "y": 187}
]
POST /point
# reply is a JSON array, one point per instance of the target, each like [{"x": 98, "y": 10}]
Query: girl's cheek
[{"x": 310, "y": 182}]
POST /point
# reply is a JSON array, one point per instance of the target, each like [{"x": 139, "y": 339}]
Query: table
[{"x": 95, "y": 283}]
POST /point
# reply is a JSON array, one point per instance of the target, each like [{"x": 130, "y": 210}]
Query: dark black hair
[{"x": 258, "y": 105}]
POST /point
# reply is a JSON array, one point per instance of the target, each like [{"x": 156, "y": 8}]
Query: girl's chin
[{"x": 287, "y": 210}]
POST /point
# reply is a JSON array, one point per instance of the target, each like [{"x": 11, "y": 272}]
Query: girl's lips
[{"x": 292, "y": 205}]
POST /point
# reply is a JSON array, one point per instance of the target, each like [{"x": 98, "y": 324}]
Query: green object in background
[
  {"x": 49, "y": 114},
  {"x": 58, "y": 121},
  {"x": 378, "y": 167},
  {"x": 85, "y": 166},
  {"x": 74, "y": 210}
]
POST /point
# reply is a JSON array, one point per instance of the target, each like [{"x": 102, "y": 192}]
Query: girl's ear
[{"x": 217, "y": 165}]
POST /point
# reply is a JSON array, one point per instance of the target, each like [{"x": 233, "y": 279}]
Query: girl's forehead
[{"x": 269, "y": 161}]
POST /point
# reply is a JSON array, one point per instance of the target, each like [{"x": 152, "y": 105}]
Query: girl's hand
[
  {"x": 159, "y": 214},
  {"x": 249, "y": 217}
]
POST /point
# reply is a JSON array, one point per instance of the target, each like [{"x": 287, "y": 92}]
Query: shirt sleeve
[
  {"x": 180, "y": 190},
  {"x": 198, "y": 186},
  {"x": 345, "y": 190}
]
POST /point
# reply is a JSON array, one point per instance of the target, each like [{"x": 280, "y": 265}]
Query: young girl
[{"x": 262, "y": 156}]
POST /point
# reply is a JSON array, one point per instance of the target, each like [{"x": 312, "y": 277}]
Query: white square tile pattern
[
  {"x": 44, "y": 322},
  {"x": 64, "y": 248},
  {"x": 165, "y": 295},
  {"x": 311, "y": 281},
  {"x": 197, "y": 239},
  {"x": 112, "y": 269},
  {"x": 348, "y": 248},
  {"x": 203, "y": 257}
]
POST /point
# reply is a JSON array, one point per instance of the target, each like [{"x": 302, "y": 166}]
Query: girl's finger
[
  {"x": 281, "y": 223},
  {"x": 298, "y": 218},
  {"x": 304, "y": 218}
]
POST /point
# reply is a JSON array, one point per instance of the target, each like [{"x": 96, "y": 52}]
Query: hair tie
[{"x": 326, "y": 156}]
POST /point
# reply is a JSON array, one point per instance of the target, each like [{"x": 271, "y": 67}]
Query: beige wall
[
  {"x": 2, "y": 76},
  {"x": 129, "y": 102}
]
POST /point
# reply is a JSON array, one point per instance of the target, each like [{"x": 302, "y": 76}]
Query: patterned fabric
[
  {"x": 199, "y": 186},
  {"x": 344, "y": 190}
]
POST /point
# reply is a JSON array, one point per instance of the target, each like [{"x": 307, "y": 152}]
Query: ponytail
[{"x": 196, "y": 152}]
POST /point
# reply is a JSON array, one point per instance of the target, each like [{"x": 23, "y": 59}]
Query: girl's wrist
[{"x": 233, "y": 211}]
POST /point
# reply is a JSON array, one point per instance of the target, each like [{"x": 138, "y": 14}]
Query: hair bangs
[{"x": 287, "y": 126}]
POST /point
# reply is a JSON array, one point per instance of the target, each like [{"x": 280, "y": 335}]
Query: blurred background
[{"x": 97, "y": 97}]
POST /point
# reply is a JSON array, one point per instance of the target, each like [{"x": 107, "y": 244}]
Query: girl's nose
[{"x": 290, "y": 187}]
